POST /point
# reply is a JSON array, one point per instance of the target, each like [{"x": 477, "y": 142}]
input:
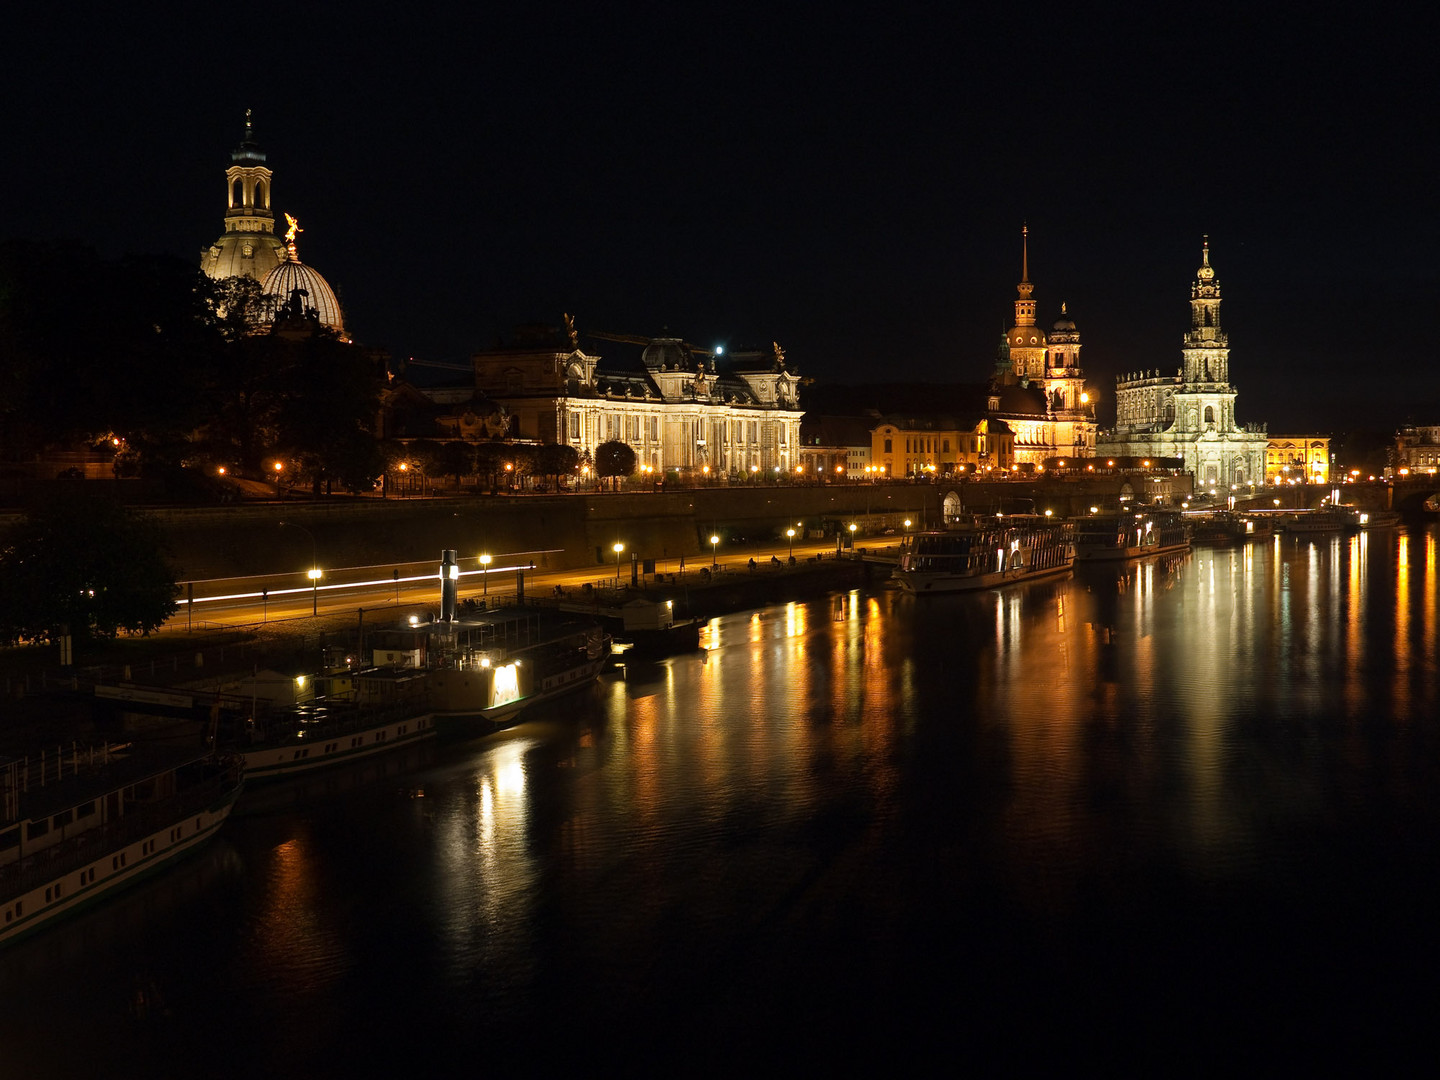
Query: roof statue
[
  {"x": 294, "y": 229},
  {"x": 570, "y": 330},
  {"x": 779, "y": 354}
]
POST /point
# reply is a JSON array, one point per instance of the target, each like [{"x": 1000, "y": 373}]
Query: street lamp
[
  {"x": 619, "y": 547},
  {"x": 714, "y": 544},
  {"x": 852, "y": 536},
  {"x": 313, "y": 573},
  {"x": 485, "y": 574},
  {"x": 791, "y": 534}
]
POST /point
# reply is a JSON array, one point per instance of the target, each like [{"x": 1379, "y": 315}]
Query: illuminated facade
[
  {"x": 1038, "y": 390},
  {"x": 1297, "y": 458},
  {"x": 1417, "y": 450},
  {"x": 249, "y": 247},
  {"x": 939, "y": 447},
  {"x": 1191, "y": 415},
  {"x": 677, "y": 411}
]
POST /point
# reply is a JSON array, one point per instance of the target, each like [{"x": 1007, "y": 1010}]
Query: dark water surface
[{"x": 1168, "y": 817}]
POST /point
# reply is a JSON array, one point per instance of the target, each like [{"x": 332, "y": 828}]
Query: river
[{"x": 1166, "y": 818}]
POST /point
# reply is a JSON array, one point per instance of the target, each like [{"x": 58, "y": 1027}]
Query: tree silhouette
[
  {"x": 85, "y": 563},
  {"x": 614, "y": 459}
]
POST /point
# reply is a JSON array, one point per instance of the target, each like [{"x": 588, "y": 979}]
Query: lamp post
[
  {"x": 313, "y": 573},
  {"x": 714, "y": 547},
  {"x": 791, "y": 534},
  {"x": 852, "y": 536},
  {"x": 485, "y": 574},
  {"x": 619, "y": 547}
]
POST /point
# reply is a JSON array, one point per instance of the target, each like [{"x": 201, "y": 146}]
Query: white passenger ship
[
  {"x": 79, "y": 822},
  {"x": 1119, "y": 537},
  {"x": 986, "y": 553}
]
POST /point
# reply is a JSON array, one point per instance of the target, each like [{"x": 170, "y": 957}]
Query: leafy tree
[
  {"x": 457, "y": 459},
  {"x": 614, "y": 459},
  {"x": 491, "y": 459},
  {"x": 556, "y": 460},
  {"x": 86, "y": 563}
]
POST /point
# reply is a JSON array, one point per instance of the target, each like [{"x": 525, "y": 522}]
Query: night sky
[{"x": 851, "y": 187}]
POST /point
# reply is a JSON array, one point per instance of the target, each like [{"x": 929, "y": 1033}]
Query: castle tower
[
  {"x": 249, "y": 246},
  {"x": 1207, "y": 353},
  {"x": 1027, "y": 341}
]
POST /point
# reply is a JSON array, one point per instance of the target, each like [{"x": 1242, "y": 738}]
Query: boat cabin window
[
  {"x": 37, "y": 828},
  {"x": 10, "y": 838}
]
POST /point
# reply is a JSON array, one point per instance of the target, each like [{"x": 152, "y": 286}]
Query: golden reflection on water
[
  {"x": 483, "y": 864},
  {"x": 301, "y": 950},
  {"x": 1400, "y": 690}
]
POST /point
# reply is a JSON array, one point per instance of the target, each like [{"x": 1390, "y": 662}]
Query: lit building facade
[
  {"x": 1302, "y": 458},
  {"x": 941, "y": 447},
  {"x": 1191, "y": 415},
  {"x": 1038, "y": 390},
  {"x": 678, "y": 411},
  {"x": 1417, "y": 450}
]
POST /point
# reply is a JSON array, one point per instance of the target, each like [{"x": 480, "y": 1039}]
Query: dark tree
[
  {"x": 457, "y": 459},
  {"x": 491, "y": 459},
  {"x": 614, "y": 459},
  {"x": 84, "y": 563},
  {"x": 556, "y": 460}
]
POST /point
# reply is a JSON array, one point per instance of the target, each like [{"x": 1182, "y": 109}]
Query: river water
[{"x": 1165, "y": 818}]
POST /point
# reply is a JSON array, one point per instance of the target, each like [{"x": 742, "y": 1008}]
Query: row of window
[{"x": 87, "y": 876}]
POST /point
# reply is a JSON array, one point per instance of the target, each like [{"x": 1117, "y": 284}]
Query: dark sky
[{"x": 852, "y": 187}]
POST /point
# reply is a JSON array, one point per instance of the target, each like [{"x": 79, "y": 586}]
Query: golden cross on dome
[{"x": 293, "y": 230}]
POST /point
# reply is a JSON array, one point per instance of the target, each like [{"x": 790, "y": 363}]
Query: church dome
[
  {"x": 1064, "y": 322},
  {"x": 1026, "y": 336},
  {"x": 282, "y": 282},
  {"x": 663, "y": 353}
]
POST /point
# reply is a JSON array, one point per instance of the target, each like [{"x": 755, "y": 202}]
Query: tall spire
[{"x": 1024, "y": 251}]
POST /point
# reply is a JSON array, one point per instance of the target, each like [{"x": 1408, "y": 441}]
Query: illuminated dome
[
  {"x": 664, "y": 354},
  {"x": 282, "y": 282},
  {"x": 1064, "y": 322}
]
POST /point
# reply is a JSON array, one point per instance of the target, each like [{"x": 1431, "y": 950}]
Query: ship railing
[{"x": 140, "y": 820}]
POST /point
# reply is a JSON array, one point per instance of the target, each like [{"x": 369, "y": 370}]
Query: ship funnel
[{"x": 449, "y": 585}]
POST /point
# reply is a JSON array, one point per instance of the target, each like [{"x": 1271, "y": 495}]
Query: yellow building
[
  {"x": 916, "y": 446},
  {"x": 1303, "y": 459}
]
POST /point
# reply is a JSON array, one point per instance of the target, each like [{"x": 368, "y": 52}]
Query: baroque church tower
[
  {"x": 1027, "y": 341},
  {"x": 249, "y": 246},
  {"x": 1039, "y": 385},
  {"x": 1191, "y": 414}
]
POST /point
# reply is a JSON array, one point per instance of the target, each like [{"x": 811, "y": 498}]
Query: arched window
[
  {"x": 1209, "y": 414},
  {"x": 235, "y": 193},
  {"x": 262, "y": 195}
]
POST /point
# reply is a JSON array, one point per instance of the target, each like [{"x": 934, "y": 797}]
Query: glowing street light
[
  {"x": 852, "y": 536},
  {"x": 791, "y": 534},
  {"x": 619, "y": 547},
  {"x": 313, "y": 573},
  {"x": 714, "y": 547},
  {"x": 485, "y": 574}
]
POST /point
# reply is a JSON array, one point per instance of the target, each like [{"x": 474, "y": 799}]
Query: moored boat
[
  {"x": 1228, "y": 526},
  {"x": 78, "y": 823},
  {"x": 1118, "y": 537},
  {"x": 486, "y": 666},
  {"x": 1329, "y": 520},
  {"x": 985, "y": 554},
  {"x": 1377, "y": 519}
]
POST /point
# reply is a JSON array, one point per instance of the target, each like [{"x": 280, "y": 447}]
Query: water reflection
[{"x": 1058, "y": 794}]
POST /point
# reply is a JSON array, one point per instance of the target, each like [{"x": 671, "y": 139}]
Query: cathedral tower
[
  {"x": 249, "y": 246},
  {"x": 1027, "y": 341},
  {"x": 1207, "y": 353}
]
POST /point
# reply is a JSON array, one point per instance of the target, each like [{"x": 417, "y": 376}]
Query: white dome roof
[{"x": 292, "y": 274}]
